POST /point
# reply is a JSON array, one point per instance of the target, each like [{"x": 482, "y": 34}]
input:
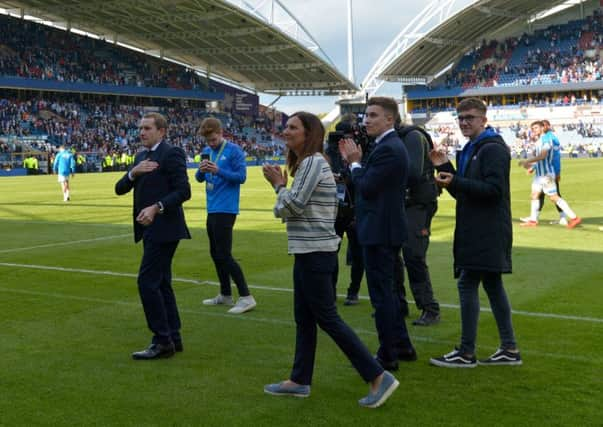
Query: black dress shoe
[
  {"x": 407, "y": 355},
  {"x": 427, "y": 318},
  {"x": 388, "y": 366},
  {"x": 155, "y": 351}
]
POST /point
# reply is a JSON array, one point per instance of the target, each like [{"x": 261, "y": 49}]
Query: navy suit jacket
[
  {"x": 380, "y": 188},
  {"x": 167, "y": 184}
]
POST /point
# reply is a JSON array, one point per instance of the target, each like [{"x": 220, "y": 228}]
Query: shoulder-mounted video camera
[{"x": 345, "y": 130}]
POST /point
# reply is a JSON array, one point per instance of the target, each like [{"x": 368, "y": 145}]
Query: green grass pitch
[{"x": 70, "y": 317}]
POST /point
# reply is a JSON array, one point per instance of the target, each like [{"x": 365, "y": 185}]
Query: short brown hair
[
  {"x": 537, "y": 123},
  {"x": 209, "y": 126},
  {"x": 315, "y": 135},
  {"x": 472, "y": 104},
  {"x": 159, "y": 120},
  {"x": 388, "y": 104}
]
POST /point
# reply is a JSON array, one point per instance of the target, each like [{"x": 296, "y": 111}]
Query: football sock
[
  {"x": 535, "y": 210},
  {"x": 565, "y": 208}
]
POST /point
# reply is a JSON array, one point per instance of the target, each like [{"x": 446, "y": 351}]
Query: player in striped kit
[{"x": 544, "y": 179}]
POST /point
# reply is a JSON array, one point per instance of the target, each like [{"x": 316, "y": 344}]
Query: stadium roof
[
  {"x": 207, "y": 35},
  {"x": 448, "y": 41}
]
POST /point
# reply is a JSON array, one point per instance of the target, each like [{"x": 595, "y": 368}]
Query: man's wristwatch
[{"x": 160, "y": 206}]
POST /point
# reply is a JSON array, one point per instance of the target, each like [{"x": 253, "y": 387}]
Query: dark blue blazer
[
  {"x": 380, "y": 188},
  {"x": 168, "y": 184}
]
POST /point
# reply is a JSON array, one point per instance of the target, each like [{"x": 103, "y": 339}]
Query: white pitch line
[
  {"x": 268, "y": 288},
  {"x": 282, "y": 322},
  {"x": 72, "y": 242}
]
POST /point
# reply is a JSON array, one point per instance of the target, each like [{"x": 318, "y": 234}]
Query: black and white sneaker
[
  {"x": 454, "y": 359},
  {"x": 502, "y": 357}
]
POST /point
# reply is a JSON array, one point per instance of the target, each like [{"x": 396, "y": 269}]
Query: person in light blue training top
[
  {"x": 64, "y": 166},
  {"x": 223, "y": 169}
]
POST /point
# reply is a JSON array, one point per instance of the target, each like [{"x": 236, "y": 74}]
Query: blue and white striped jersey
[{"x": 545, "y": 166}]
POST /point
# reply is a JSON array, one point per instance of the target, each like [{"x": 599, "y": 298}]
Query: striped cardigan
[{"x": 309, "y": 208}]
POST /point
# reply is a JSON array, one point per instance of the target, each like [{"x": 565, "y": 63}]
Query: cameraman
[
  {"x": 344, "y": 222},
  {"x": 421, "y": 205}
]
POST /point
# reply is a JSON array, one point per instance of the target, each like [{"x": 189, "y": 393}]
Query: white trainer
[
  {"x": 563, "y": 221},
  {"x": 243, "y": 304},
  {"x": 525, "y": 219},
  {"x": 219, "y": 300}
]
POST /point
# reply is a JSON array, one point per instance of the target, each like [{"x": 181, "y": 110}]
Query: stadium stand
[
  {"x": 98, "y": 123},
  {"x": 556, "y": 55},
  {"x": 30, "y": 50},
  {"x": 551, "y": 71},
  {"x": 111, "y": 127},
  {"x": 527, "y": 60}
]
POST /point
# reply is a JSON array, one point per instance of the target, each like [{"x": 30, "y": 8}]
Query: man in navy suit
[
  {"x": 160, "y": 185},
  {"x": 380, "y": 186}
]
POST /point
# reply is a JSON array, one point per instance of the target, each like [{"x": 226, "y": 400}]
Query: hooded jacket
[{"x": 483, "y": 235}]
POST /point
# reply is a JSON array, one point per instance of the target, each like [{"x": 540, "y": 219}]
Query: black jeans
[
  {"x": 414, "y": 251},
  {"x": 219, "y": 231},
  {"x": 314, "y": 304},
  {"x": 156, "y": 293}
]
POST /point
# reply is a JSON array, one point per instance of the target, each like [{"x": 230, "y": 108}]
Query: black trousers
[
  {"x": 156, "y": 293},
  {"x": 314, "y": 304},
  {"x": 219, "y": 230},
  {"x": 414, "y": 252},
  {"x": 353, "y": 256},
  {"x": 379, "y": 263}
]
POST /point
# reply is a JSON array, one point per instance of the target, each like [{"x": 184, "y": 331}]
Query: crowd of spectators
[
  {"x": 495, "y": 105},
  {"x": 32, "y": 50},
  {"x": 557, "y": 54},
  {"x": 110, "y": 128},
  {"x": 521, "y": 142},
  {"x": 586, "y": 130}
]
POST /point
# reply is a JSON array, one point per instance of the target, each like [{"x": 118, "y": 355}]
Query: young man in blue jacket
[
  {"x": 223, "y": 169},
  {"x": 483, "y": 234}
]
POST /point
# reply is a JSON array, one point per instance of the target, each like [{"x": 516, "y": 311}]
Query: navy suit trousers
[
  {"x": 155, "y": 289},
  {"x": 391, "y": 328}
]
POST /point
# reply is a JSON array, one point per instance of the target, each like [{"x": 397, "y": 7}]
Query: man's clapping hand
[{"x": 438, "y": 156}]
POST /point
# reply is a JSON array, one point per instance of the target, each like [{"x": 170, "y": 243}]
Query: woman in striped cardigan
[{"x": 309, "y": 208}]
